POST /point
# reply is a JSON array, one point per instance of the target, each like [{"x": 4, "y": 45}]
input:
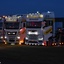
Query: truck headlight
[
  {"x": 26, "y": 38},
  {"x": 5, "y": 37},
  {"x": 18, "y": 37},
  {"x": 8, "y": 33},
  {"x": 36, "y": 33},
  {"x": 40, "y": 39},
  {"x": 29, "y": 32},
  {"x": 13, "y": 33},
  {"x": 1, "y": 37}
]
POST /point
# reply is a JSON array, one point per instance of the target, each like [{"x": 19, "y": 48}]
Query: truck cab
[
  {"x": 60, "y": 36},
  {"x": 1, "y": 30},
  {"x": 34, "y": 34},
  {"x": 49, "y": 28},
  {"x": 40, "y": 28},
  {"x": 12, "y": 28}
]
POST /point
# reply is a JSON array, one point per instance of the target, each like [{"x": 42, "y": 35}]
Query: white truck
[
  {"x": 1, "y": 30},
  {"x": 49, "y": 28},
  {"x": 12, "y": 28},
  {"x": 39, "y": 28}
]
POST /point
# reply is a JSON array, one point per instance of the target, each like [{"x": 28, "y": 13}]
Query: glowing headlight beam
[
  {"x": 40, "y": 39},
  {"x": 18, "y": 37},
  {"x": 36, "y": 33}
]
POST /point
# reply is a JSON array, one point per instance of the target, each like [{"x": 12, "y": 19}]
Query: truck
[
  {"x": 1, "y": 30},
  {"x": 59, "y": 31},
  {"x": 11, "y": 28},
  {"x": 60, "y": 36},
  {"x": 49, "y": 28},
  {"x": 39, "y": 28}
]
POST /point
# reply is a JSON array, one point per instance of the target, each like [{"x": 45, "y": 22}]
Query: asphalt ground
[{"x": 22, "y": 54}]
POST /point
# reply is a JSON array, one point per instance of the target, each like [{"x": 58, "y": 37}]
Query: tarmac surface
[{"x": 22, "y": 54}]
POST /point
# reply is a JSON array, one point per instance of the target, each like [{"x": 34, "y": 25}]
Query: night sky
[{"x": 26, "y": 6}]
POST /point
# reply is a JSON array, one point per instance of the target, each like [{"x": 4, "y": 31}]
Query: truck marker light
[
  {"x": 13, "y": 33},
  {"x": 62, "y": 42},
  {"x": 36, "y": 33},
  {"x": 21, "y": 41},
  {"x": 8, "y": 33},
  {"x": 41, "y": 16},
  {"x": 5, "y": 42},
  {"x": 26, "y": 38},
  {"x": 43, "y": 44},
  {"x": 18, "y": 37},
  {"x": 55, "y": 43},
  {"x": 5, "y": 37},
  {"x": 1, "y": 37}
]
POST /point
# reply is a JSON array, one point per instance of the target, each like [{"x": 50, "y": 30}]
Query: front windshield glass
[
  {"x": 33, "y": 24},
  {"x": 12, "y": 25}
]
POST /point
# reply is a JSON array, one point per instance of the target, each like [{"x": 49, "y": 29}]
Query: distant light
[
  {"x": 26, "y": 38},
  {"x": 37, "y": 12},
  {"x": 27, "y": 16},
  {"x": 43, "y": 44},
  {"x": 62, "y": 43},
  {"x": 5, "y": 16},
  {"x": 41, "y": 16},
  {"x": 13, "y": 33},
  {"x": 18, "y": 37},
  {"x": 5, "y": 37},
  {"x": 19, "y": 16},
  {"x": 21, "y": 41},
  {"x": 8, "y": 33},
  {"x": 1, "y": 37},
  {"x": 48, "y": 12}
]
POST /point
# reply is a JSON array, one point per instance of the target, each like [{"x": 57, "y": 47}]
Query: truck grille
[
  {"x": 11, "y": 40},
  {"x": 33, "y": 37},
  {"x": 12, "y": 36}
]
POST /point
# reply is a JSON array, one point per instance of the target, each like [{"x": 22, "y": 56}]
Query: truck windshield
[
  {"x": 33, "y": 25},
  {"x": 12, "y": 25},
  {"x": 1, "y": 25}
]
